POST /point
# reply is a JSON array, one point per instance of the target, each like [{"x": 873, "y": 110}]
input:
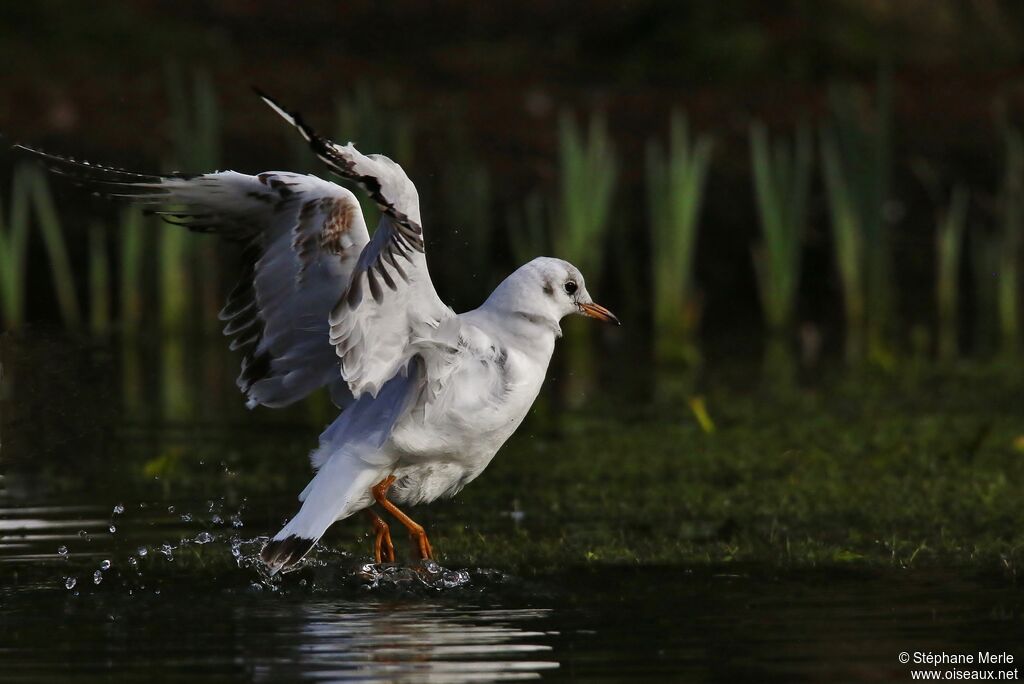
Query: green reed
[
  {"x": 131, "y": 239},
  {"x": 14, "y": 234},
  {"x": 675, "y": 192},
  {"x": 781, "y": 176},
  {"x": 189, "y": 267},
  {"x": 856, "y": 156},
  {"x": 949, "y": 240},
  {"x": 588, "y": 169},
  {"x": 1011, "y": 242},
  {"x": 48, "y": 221}
]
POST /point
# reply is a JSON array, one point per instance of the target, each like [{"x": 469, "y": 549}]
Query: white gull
[{"x": 428, "y": 396}]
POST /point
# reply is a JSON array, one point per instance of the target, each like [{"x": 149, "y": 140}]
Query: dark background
[{"x": 89, "y": 79}]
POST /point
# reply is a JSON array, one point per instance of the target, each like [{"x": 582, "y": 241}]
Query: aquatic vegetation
[
  {"x": 781, "y": 175},
  {"x": 54, "y": 238},
  {"x": 949, "y": 239},
  {"x": 588, "y": 170},
  {"x": 698, "y": 406},
  {"x": 131, "y": 240},
  {"x": 14, "y": 233},
  {"x": 856, "y": 158},
  {"x": 675, "y": 190},
  {"x": 189, "y": 267},
  {"x": 1011, "y": 243},
  {"x": 587, "y": 175}
]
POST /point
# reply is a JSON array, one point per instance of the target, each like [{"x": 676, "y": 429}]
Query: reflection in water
[
  {"x": 412, "y": 642},
  {"x": 132, "y": 560}
]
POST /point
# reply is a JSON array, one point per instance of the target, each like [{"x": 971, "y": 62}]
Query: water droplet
[
  {"x": 62, "y": 550},
  {"x": 105, "y": 565},
  {"x": 83, "y": 533},
  {"x": 118, "y": 509},
  {"x": 97, "y": 577},
  {"x": 170, "y": 509},
  {"x": 217, "y": 520},
  {"x": 186, "y": 517},
  {"x": 113, "y": 529},
  {"x": 70, "y": 582},
  {"x": 204, "y": 538},
  {"x": 142, "y": 551},
  {"x": 236, "y": 521},
  {"x": 132, "y": 562}
]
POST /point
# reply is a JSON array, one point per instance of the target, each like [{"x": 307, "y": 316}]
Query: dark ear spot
[{"x": 549, "y": 290}]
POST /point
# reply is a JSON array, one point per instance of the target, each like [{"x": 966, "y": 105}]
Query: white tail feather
[{"x": 339, "y": 489}]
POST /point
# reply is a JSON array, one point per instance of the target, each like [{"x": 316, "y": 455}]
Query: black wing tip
[
  {"x": 291, "y": 117},
  {"x": 262, "y": 94},
  {"x": 283, "y": 554}
]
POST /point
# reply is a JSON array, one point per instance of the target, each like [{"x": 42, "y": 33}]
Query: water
[{"x": 129, "y": 534}]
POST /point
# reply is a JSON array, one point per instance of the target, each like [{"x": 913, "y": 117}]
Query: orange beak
[{"x": 599, "y": 312}]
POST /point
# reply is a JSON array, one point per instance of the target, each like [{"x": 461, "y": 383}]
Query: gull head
[{"x": 549, "y": 289}]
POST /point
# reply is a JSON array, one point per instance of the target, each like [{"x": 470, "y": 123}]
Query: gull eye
[{"x": 570, "y": 287}]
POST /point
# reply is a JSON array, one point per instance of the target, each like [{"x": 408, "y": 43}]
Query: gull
[{"x": 428, "y": 396}]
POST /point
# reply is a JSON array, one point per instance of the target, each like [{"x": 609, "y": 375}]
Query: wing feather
[
  {"x": 390, "y": 302},
  {"x": 301, "y": 236}
]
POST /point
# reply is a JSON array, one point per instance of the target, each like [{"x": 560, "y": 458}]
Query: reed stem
[
  {"x": 781, "y": 174},
  {"x": 856, "y": 157},
  {"x": 14, "y": 251},
  {"x": 675, "y": 191},
  {"x": 56, "y": 248}
]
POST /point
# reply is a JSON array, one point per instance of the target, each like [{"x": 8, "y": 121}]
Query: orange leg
[
  {"x": 416, "y": 531},
  {"x": 383, "y": 549}
]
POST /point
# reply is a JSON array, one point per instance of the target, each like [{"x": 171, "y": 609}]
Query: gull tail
[
  {"x": 341, "y": 488},
  {"x": 349, "y": 463}
]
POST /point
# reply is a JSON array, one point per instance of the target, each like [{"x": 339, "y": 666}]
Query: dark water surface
[{"x": 132, "y": 506}]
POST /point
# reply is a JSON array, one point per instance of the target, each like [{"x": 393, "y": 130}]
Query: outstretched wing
[
  {"x": 302, "y": 238},
  {"x": 390, "y": 306}
]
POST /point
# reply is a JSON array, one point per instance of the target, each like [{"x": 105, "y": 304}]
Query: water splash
[
  {"x": 427, "y": 575},
  {"x": 235, "y": 560}
]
